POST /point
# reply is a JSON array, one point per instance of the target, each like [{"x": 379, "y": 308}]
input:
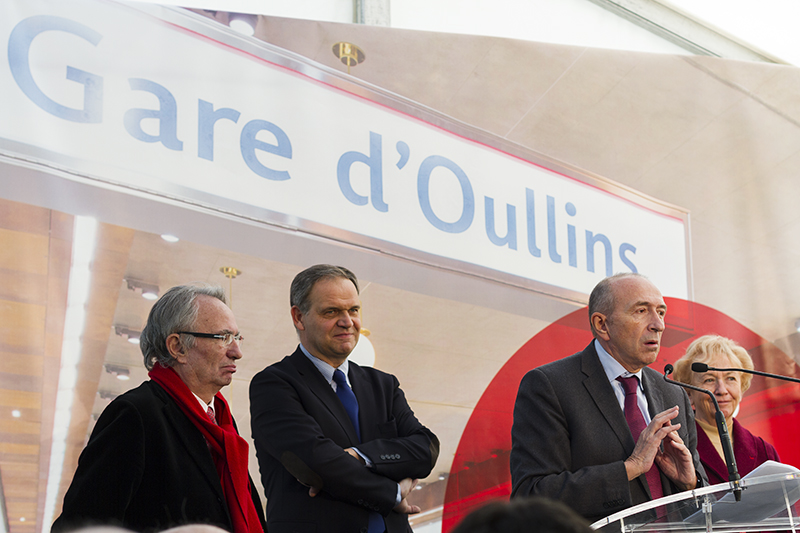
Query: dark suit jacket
[
  {"x": 300, "y": 429},
  {"x": 146, "y": 467},
  {"x": 749, "y": 451},
  {"x": 570, "y": 438}
]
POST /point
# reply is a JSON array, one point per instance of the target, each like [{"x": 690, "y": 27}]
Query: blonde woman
[{"x": 728, "y": 388}]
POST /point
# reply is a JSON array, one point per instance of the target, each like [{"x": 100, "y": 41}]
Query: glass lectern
[{"x": 767, "y": 504}]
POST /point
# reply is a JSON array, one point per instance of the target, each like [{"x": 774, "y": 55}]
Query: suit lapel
[
  {"x": 324, "y": 392},
  {"x": 655, "y": 399},
  {"x": 598, "y": 387},
  {"x": 193, "y": 442},
  {"x": 367, "y": 408}
]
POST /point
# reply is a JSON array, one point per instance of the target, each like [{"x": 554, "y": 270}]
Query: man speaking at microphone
[{"x": 599, "y": 430}]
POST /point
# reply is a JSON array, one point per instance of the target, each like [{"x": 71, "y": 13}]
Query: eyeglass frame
[{"x": 238, "y": 337}]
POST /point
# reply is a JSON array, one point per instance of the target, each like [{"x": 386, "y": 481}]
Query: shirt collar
[
  {"x": 325, "y": 369},
  {"x": 205, "y": 405},
  {"x": 612, "y": 367}
]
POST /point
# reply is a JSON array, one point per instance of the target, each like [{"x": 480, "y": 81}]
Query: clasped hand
[{"x": 660, "y": 443}]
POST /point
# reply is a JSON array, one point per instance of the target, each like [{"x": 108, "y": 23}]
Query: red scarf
[{"x": 229, "y": 450}]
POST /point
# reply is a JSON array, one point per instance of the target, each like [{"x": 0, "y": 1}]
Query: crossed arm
[{"x": 296, "y": 428}]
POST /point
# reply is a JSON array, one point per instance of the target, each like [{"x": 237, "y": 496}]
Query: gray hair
[
  {"x": 602, "y": 299},
  {"x": 305, "y": 280},
  {"x": 175, "y": 311}
]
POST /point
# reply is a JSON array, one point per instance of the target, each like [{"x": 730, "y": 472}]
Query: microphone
[
  {"x": 722, "y": 428},
  {"x": 702, "y": 367}
]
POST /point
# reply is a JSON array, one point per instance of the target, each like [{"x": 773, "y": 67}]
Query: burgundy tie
[
  {"x": 213, "y": 418},
  {"x": 633, "y": 415}
]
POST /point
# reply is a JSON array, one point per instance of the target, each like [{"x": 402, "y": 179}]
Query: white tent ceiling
[{"x": 768, "y": 25}]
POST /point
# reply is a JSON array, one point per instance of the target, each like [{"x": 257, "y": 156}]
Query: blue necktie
[{"x": 348, "y": 399}]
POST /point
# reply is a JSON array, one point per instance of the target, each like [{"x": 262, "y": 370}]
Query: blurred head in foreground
[{"x": 528, "y": 515}]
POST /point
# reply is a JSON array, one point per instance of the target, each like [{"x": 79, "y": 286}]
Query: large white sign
[{"x": 161, "y": 108}]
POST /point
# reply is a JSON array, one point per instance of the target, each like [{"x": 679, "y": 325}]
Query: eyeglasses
[{"x": 226, "y": 338}]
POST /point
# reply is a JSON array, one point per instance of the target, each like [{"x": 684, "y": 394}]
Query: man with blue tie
[
  {"x": 599, "y": 430},
  {"x": 338, "y": 447}
]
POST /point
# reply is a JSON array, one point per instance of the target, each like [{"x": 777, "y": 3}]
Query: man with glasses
[
  {"x": 338, "y": 446},
  {"x": 167, "y": 453}
]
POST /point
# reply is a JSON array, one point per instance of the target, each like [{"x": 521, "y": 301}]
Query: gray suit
[{"x": 570, "y": 438}]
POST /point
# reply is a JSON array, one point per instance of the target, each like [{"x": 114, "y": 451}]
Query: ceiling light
[
  {"x": 130, "y": 335},
  {"x": 16, "y": 413},
  {"x": 243, "y": 23},
  {"x": 230, "y": 273},
  {"x": 149, "y": 291},
  {"x": 120, "y": 372},
  {"x": 169, "y": 238},
  {"x": 107, "y": 395},
  {"x": 349, "y": 54}
]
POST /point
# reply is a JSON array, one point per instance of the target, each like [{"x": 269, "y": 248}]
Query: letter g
[{"x": 19, "y": 45}]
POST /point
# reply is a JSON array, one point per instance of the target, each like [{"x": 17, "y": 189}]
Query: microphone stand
[
  {"x": 724, "y": 436},
  {"x": 702, "y": 367}
]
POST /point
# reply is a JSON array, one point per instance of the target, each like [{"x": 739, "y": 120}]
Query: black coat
[
  {"x": 301, "y": 429},
  {"x": 146, "y": 467}
]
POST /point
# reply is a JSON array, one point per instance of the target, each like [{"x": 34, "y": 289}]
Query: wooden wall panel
[{"x": 35, "y": 256}]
